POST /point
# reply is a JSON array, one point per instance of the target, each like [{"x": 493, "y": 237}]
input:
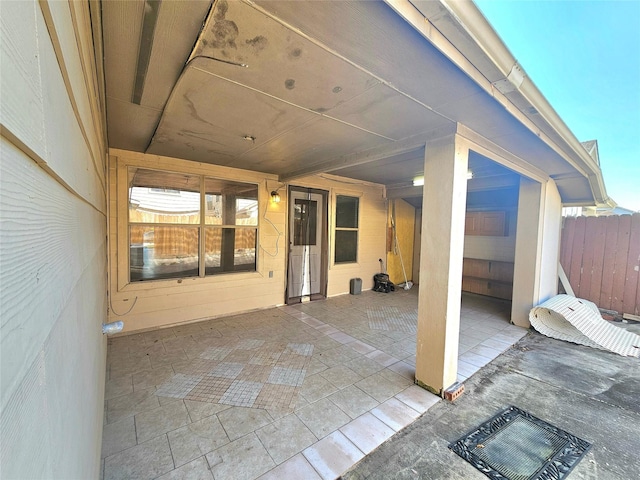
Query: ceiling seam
[
  {"x": 290, "y": 103},
  {"x": 345, "y": 59}
]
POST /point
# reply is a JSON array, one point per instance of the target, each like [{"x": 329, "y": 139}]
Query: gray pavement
[{"x": 592, "y": 394}]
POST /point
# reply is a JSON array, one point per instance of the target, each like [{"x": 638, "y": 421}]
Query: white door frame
[{"x": 307, "y": 265}]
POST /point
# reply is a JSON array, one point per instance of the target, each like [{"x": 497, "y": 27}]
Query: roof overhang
[
  {"x": 354, "y": 88},
  {"x": 460, "y": 31}
]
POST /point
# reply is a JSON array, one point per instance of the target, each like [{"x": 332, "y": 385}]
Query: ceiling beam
[
  {"x": 493, "y": 183},
  {"x": 359, "y": 158},
  {"x": 405, "y": 192},
  {"x": 487, "y": 148},
  {"x": 391, "y": 149}
]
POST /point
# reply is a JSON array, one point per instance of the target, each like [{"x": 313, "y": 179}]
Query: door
[{"x": 307, "y": 245}]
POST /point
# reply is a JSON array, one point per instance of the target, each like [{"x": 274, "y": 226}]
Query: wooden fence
[{"x": 601, "y": 257}]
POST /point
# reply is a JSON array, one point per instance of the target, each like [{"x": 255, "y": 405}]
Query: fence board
[
  {"x": 620, "y": 268},
  {"x": 599, "y": 245},
  {"x": 575, "y": 269},
  {"x": 587, "y": 257},
  {"x": 633, "y": 266},
  {"x": 601, "y": 256},
  {"x": 566, "y": 242},
  {"x": 611, "y": 240}
]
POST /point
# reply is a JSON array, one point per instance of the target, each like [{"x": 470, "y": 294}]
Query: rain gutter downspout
[{"x": 469, "y": 17}]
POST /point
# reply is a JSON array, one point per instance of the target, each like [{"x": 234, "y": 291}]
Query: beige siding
[
  {"x": 371, "y": 232},
  {"x": 52, "y": 244},
  {"x": 153, "y": 304}
]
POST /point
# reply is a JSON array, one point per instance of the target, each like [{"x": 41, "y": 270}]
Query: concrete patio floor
[
  {"x": 589, "y": 393},
  {"x": 302, "y": 391}
]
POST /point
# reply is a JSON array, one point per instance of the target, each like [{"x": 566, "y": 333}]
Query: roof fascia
[{"x": 473, "y": 22}]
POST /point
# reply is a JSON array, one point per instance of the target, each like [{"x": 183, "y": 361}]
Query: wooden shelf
[{"x": 488, "y": 277}]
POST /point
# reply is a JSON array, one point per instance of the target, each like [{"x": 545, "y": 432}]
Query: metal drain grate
[{"x": 515, "y": 445}]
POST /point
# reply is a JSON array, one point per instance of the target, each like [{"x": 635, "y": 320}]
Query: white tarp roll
[{"x": 579, "y": 321}]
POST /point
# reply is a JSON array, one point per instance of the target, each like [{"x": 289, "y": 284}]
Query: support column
[
  {"x": 442, "y": 247},
  {"x": 535, "y": 276}
]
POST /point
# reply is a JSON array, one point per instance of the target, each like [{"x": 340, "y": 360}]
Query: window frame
[
  {"x": 201, "y": 227},
  {"x": 356, "y": 229}
]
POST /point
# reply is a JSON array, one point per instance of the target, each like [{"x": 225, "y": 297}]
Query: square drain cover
[{"x": 515, "y": 445}]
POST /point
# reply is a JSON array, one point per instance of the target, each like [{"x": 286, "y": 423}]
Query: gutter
[{"x": 471, "y": 20}]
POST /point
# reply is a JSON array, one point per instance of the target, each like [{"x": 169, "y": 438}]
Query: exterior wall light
[{"x": 275, "y": 197}]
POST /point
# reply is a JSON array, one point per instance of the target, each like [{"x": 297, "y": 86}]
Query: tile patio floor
[{"x": 301, "y": 391}]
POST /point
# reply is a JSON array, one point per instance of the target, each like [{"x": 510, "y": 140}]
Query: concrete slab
[{"x": 590, "y": 393}]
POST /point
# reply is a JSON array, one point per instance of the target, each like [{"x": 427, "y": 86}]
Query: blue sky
[{"x": 584, "y": 56}]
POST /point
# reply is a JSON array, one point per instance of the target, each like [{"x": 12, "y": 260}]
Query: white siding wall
[
  {"x": 52, "y": 244},
  {"x": 538, "y": 247},
  {"x": 153, "y": 304},
  {"x": 552, "y": 231}
]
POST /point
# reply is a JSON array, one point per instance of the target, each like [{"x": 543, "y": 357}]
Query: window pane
[
  {"x": 162, "y": 252},
  {"x": 230, "y": 250},
  {"x": 346, "y": 211},
  {"x": 346, "y": 246},
  {"x": 230, "y": 203},
  {"x": 305, "y": 221},
  {"x": 163, "y": 197}
]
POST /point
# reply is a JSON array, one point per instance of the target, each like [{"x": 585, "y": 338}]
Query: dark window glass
[
  {"x": 346, "y": 246},
  {"x": 346, "y": 212},
  {"x": 305, "y": 221},
  {"x": 346, "y": 238}
]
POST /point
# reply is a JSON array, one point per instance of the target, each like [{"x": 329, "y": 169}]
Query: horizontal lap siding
[
  {"x": 153, "y": 304},
  {"x": 601, "y": 256},
  {"x": 372, "y": 230},
  {"x": 52, "y": 244}
]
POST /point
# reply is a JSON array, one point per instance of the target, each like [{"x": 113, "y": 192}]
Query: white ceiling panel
[
  {"x": 311, "y": 143},
  {"x": 407, "y": 166},
  {"x": 121, "y": 35},
  {"x": 279, "y": 61},
  {"x": 179, "y": 23},
  {"x": 373, "y": 36},
  {"x": 385, "y": 111},
  {"x": 214, "y": 115},
  {"x": 130, "y": 126}
]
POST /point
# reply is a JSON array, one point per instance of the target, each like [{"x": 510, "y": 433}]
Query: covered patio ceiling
[{"x": 295, "y": 88}]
